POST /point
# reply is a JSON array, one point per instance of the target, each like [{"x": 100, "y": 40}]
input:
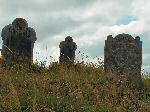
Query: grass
[{"x": 64, "y": 88}]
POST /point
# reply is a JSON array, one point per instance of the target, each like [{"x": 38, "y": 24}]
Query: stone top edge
[{"x": 123, "y": 36}]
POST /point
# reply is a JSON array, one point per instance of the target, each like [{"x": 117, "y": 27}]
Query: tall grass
[{"x": 68, "y": 88}]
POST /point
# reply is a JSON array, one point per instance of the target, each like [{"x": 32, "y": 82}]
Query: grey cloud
[
  {"x": 36, "y": 12},
  {"x": 42, "y": 5},
  {"x": 97, "y": 50},
  {"x": 53, "y": 26}
]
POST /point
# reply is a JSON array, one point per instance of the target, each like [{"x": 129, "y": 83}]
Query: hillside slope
[{"x": 63, "y": 88}]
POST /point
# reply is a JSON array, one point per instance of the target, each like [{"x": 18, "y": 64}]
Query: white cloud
[
  {"x": 48, "y": 54},
  {"x": 133, "y": 28}
]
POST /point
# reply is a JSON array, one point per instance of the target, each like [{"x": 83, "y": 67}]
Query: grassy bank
[{"x": 62, "y": 88}]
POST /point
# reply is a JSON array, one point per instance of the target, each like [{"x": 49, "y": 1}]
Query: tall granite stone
[
  {"x": 18, "y": 40},
  {"x": 67, "y": 50},
  {"x": 123, "y": 56}
]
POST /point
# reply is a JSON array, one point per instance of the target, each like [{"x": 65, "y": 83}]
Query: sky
[{"x": 87, "y": 21}]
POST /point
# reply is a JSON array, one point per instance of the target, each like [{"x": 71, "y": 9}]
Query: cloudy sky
[{"x": 87, "y": 21}]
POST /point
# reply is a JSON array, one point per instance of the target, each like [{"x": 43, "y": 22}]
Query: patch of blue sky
[
  {"x": 126, "y": 20},
  {"x": 142, "y": 39}
]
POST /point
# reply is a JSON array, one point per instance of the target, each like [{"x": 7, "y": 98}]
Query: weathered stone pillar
[
  {"x": 18, "y": 40},
  {"x": 123, "y": 56},
  {"x": 67, "y": 50}
]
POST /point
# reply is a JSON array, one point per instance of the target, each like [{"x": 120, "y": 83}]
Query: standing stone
[
  {"x": 67, "y": 50},
  {"x": 18, "y": 40},
  {"x": 123, "y": 56}
]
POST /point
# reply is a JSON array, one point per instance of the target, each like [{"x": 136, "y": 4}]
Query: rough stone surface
[
  {"x": 18, "y": 40},
  {"x": 67, "y": 50},
  {"x": 123, "y": 56}
]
